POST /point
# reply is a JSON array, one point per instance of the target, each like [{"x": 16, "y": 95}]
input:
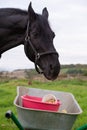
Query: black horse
[{"x": 33, "y": 31}]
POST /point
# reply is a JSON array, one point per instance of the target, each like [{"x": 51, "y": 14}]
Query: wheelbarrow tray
[{"x": 46, "y": 120}]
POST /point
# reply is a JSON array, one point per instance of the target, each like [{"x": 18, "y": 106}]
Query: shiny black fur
[{"x": 13, "y": 26}]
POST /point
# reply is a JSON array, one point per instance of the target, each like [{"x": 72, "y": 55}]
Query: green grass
[{"x": 77, "y": 87}]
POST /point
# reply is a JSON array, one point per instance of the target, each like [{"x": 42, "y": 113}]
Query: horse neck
[{"x": 12, "y": 31}]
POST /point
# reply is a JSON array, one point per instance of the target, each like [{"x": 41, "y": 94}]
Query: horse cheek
[{"x": 28, "y": 52}]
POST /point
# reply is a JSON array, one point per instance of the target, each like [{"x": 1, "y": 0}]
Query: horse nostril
[{"x": 51, "y": 67}]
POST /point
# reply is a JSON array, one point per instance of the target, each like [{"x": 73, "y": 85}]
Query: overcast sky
[{"x": 68, "y": 19}]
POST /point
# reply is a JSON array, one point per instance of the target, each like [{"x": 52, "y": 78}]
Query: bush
[{"x": 74, "y": 71}]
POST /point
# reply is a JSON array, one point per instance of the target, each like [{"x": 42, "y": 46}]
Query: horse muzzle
[{"x": 51, "y": 73}]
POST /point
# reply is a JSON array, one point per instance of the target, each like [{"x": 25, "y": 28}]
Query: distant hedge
[{"x": 74, "y": 69}]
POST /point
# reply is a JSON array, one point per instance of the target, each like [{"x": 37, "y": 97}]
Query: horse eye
[{"x": 35, "y": 34}]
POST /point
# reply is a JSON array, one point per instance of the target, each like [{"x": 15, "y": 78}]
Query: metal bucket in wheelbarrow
[{"x": 34, "y": 119}]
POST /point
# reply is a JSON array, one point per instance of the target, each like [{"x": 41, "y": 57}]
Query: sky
[{"x": 68, "y": 19}]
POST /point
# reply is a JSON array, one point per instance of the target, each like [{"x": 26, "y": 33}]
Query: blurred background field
[{"x": 72, "y": 78}]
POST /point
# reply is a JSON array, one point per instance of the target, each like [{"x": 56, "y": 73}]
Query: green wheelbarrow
[{"x": 32, "y": 119}]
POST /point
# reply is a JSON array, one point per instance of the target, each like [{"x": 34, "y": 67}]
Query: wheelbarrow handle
[
  {"x": 84, "y": 127},
  {"x": 9, "y": 114}
]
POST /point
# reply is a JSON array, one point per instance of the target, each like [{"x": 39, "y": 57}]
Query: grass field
[{"x": 78, "y": 87}]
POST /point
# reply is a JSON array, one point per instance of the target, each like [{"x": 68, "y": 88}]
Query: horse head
[{"x": 39, "y": 46}]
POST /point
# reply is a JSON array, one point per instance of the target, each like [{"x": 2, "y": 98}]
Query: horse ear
[
  {"x": 45, "y": 13},
  {"x": 31, "y": 13}
]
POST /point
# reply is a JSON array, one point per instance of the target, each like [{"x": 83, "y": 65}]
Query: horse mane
[
  {"x": 11, "y": 16},
  {"x": 11, "y": 11},
  {"x": 13, "y": 23}
]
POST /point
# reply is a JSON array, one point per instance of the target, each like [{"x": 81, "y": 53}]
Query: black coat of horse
[{"x": 33, "y": 31}]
